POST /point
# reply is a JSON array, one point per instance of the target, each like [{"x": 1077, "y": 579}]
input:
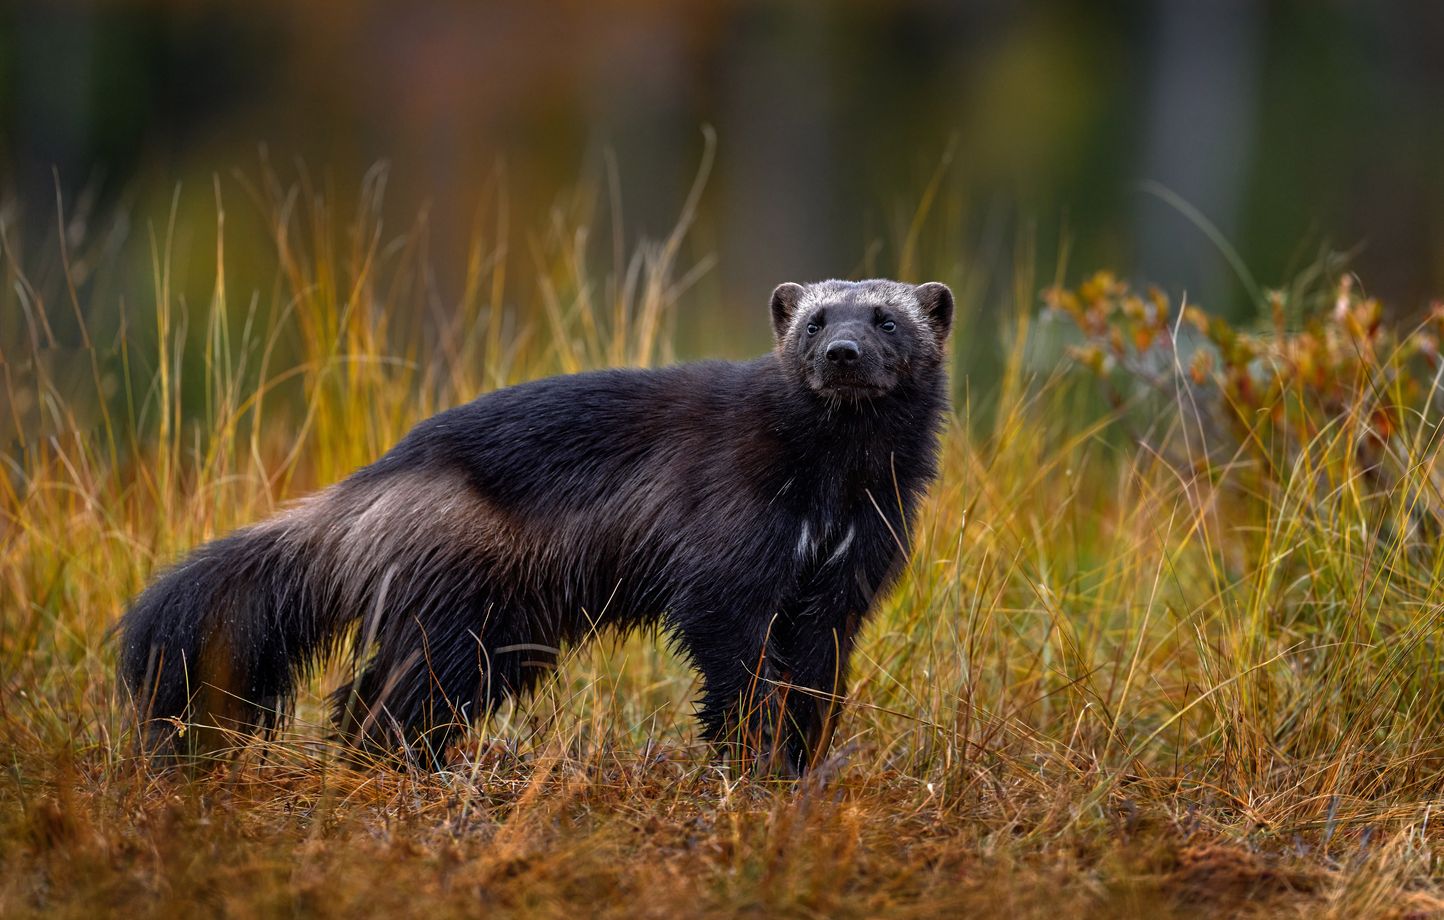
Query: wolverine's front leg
[
  {"x": 743, "y": 709},
  {"x": 817, "y": 629},
  {"x": 817, "y": 641},
  {"x": 772, "y": 696}
]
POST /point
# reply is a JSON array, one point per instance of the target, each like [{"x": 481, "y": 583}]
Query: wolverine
[{"x": 752, "y": 512}]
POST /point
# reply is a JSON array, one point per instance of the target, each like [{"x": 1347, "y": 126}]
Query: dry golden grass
[{"x": 1110, "y": 683}]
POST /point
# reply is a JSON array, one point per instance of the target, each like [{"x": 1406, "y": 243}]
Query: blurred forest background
[
  {"x": 1169, "y": 639},
  {"x": 1294, "y": 127}
]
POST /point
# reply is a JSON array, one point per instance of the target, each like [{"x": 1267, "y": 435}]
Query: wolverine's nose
[{"x": 843, "y": 351}]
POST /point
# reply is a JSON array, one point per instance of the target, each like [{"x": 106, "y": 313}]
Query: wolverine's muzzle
[{"x": 849, "y": 364}]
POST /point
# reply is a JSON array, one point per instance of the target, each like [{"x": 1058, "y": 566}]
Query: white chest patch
[
  {"x": 842, "y": 545},
  {"x": 812, "y": 542}
]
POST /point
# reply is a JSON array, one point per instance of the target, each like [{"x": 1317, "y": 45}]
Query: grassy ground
[{"x": 1112, "y": 682}]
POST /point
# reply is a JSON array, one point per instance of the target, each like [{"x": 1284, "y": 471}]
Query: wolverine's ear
[
  {"x": 936, "y": 302},
  {"x": 785, "y": 298}
]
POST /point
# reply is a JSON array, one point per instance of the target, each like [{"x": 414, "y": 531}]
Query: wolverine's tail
[
  {"x": 220, "y": 640},
  {"x": 223, "y": 639}
]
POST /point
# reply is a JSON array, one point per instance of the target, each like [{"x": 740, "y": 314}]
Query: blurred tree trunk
[{"x": 1198, "y": 138}]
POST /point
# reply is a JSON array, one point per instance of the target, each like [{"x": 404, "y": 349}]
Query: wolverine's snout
[
  {"x": 843, "y": 351},
  {"x": 849, "y": 362}
]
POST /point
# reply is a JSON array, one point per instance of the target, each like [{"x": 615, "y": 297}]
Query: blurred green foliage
[{"x": 1294, "y": 128}]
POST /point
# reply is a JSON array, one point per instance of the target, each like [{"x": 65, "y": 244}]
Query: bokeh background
[{"x": 1295, "y": 128}]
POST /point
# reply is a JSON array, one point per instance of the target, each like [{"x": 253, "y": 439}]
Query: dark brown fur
[{"x": 751, "y": 511}]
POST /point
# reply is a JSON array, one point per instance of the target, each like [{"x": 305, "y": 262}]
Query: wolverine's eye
[
  {"x": 889, "y": 326},
  {"x": 812, "y": 328}
]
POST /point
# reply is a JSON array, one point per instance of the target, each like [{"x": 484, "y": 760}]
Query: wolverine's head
[{"x": 861, "y": 339}]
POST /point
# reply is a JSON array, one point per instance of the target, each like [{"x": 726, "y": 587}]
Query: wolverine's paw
[
  {"x": 768, "y": 746},
  {"x": 778, "y": 762}
]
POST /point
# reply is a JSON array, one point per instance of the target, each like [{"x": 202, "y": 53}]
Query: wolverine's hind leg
[{"x": 433, "y": 671}]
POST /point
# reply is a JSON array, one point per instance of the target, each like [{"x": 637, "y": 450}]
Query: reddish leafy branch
[{"x": 1340, "y": 375}]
